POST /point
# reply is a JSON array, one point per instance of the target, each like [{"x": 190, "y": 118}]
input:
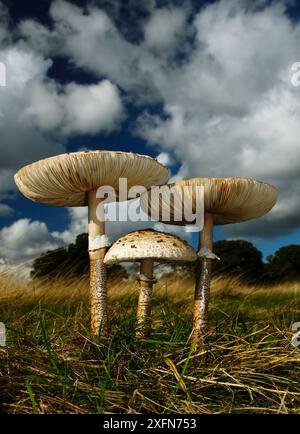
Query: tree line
[{"x": 238, "y": 258}]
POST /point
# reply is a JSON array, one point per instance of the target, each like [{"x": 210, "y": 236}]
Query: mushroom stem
[
  {"x": 144, "y": 302},
  {"x": 98, "y": 287},
  {"x": 202, "y": 285}
]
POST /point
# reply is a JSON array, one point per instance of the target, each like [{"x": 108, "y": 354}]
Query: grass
[{"x": 52, "y": 364}]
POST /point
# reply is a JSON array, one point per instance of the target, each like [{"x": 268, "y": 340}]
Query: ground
[{"x": 51, "y": 363}]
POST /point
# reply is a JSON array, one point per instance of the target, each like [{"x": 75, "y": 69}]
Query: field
[{"x": 51, "y": 364}]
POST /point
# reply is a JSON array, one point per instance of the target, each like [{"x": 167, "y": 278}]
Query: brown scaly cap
[
  {"x": 148, "y": 243},
  {"x": 63, "y": 180},
  {"x": 229, "y": 200}
]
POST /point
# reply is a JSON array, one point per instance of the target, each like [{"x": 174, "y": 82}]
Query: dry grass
[{"x": 51, "y": 364}]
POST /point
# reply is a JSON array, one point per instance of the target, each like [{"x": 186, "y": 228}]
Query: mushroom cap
[
  {"x": 63, "y": 180},
  {"x": 151, "y": 244},
  {"x": 229, "y": 200}
]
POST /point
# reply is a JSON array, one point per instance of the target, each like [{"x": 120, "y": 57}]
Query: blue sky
[{"x": 204, "y": 86}]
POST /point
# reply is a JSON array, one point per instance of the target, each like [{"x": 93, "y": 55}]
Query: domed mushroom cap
[
  {"x": 63, "y": 180},
  {"x": 159, "y": 246},
  {"x": 229, "y": 200}
]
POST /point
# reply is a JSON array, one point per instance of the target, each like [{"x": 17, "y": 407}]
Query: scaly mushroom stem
[
  {"x": 144, "y": 302},
  {"x": 202, "y": 285},
  {"x": 98, "y": 286}
]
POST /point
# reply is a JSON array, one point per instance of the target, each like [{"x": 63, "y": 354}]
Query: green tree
[
  {"x": 71, "y": 261},
  {"x": 284, "y": 265},
  {"x": 50, "y": 263},
  {"x": 238, "y": 258}
]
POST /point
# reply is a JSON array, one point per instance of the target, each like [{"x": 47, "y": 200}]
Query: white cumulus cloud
[
  {"x": 228, "y": 105},
  {"x": 164, "y": 29},
  {"x": 75, "y": 108},
  {"x": 24, "y": 239}
]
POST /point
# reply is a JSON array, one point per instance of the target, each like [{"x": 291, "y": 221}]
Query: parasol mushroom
[
  {"x": 225, "y": 201},
  {"x": 146, "y": 247},
  {"x": 73, "y": 180}
]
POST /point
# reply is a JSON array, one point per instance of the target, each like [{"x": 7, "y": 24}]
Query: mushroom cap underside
[
  {"x": 151, "y": 244},
  {"x": 65, "y": 179},
  {"x": 229, "y": 200}
]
